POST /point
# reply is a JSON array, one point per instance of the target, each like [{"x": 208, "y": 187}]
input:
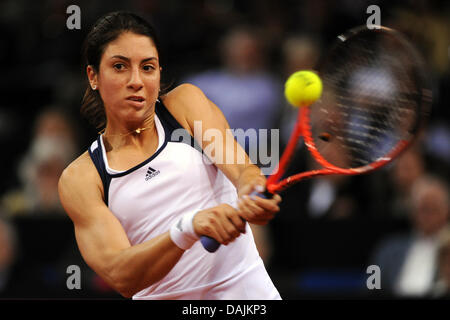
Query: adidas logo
[
  {"x": 179, "y": 226},
  {"x": 151, "y": 173}
]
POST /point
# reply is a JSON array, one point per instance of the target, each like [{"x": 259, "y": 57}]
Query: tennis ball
[{"x": 302, "y": 88}]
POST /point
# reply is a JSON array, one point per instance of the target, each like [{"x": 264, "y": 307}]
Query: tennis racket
[{"x": 375, "y": 97}]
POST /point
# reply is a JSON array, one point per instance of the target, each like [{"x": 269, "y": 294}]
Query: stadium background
[{"x": 310, "y": 257}]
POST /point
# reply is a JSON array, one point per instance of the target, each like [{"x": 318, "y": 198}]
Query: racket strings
[{"x": 369, "y": 102}]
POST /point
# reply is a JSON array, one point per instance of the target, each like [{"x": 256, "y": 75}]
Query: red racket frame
[{"x": 303, "y": 128}]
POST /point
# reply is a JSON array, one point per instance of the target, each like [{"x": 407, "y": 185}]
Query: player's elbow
[
  {"x": 125, "y": 291},
  {"x": 122, "y": 283},
  {"x": 127, "y": 281},
  {"x": 123, "y": 287}
]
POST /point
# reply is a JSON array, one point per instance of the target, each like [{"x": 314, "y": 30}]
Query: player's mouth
[{"x": 136, "y": 100}]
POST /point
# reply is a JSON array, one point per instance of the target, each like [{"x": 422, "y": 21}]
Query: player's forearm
[
  {"x": 141, "y": 265},
  {"x": 250, "y": 174},
  {"x": 241, "y": 174}
]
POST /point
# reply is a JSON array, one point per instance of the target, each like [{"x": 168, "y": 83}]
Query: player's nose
[{"x": 135, "y": 81}]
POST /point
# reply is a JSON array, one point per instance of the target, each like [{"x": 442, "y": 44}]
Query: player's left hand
[{"x": 255, "y": 209}]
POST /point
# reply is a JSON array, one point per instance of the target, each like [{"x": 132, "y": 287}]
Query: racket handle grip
[
  {"x": 265, "y": 195},
  {"x": 210, "y": 244}
]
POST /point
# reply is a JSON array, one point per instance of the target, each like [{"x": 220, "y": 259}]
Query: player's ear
[{"x": 92, "y": 76}]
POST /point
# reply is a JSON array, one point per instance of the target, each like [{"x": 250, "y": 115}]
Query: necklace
[{"x": 137, "y": 131}]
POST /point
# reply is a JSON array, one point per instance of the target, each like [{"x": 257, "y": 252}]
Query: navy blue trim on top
[
  {"x": 166, "y": 117},
  {"x": 169, "y": 124},
  {"x": 97, "y": 158},
  {"x": 167, "y": 127},
  {"x": 140, "y": 165}
]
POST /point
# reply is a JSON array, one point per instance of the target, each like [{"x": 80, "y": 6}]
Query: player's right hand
[{"x": 222, "y": 223}]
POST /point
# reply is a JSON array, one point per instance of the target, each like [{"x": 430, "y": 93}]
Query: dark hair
[{"x": 107, "y": 29}]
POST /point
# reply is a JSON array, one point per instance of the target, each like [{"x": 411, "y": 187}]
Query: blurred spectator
[
  {"x": 428, "y": 27},
  {"x": 7, "y": 252},
  {"x": 407, "y": 169},
  {"x": 332, "y": 197},
  {"x": 300, "y": 52},
  {"x": 242, "y": 88},
  {"x": 408, "y": 262},
  {"x": 52, "y": 147},
  {"x": 442, "y": 286},
  {"x": 438, "y": 142}
]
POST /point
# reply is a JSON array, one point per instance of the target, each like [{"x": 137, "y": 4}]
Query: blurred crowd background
[{"x": 330, "y": 230}]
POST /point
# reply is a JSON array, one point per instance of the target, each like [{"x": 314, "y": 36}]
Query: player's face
[{"x": 129, "y": 78}]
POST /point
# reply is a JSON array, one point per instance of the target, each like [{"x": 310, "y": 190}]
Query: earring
[{"x": 94, "y": 87}]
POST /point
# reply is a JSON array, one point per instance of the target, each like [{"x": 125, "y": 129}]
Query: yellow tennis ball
[{"x": 302, "y": 88}]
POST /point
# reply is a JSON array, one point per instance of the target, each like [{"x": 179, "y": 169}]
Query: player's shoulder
[
  {"x": 80, "y": 188},
  {"x": 185, "y": 90},
  {"x": 185, "y": 98},
  {"x": 79, "y": 171},
  {"x": 187, "y": 103}
]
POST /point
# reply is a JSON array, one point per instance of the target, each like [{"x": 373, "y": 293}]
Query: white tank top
[{"x": 148, "y": 198}]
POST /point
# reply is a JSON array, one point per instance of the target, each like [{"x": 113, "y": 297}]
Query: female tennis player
[{"x": 140, "y": 197}]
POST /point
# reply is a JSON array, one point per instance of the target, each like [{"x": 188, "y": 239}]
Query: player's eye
[
  {"x": 148, "y": 67},
  {"x": 119, "y": 66}
]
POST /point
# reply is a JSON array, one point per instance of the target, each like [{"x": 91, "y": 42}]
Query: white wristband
[{"x": 182, "y": 231}]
